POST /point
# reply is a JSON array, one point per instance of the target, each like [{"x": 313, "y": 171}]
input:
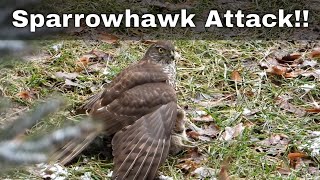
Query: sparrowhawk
[{"x": 140, "y": 108}]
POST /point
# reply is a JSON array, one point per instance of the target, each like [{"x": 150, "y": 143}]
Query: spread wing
[{"x": 140, "y": 148}]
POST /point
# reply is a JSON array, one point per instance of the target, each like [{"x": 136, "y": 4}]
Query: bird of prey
[{"x": 139, "y": 107}]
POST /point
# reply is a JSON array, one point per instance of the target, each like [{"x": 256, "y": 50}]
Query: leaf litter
[
  {"x": 275, "y": 145},
  {"x": 291, "y": 65},
  {"x": 232, "y": 132},
  {"x": 283, "y": 102}
]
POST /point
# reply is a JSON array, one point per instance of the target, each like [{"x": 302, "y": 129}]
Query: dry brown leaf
[
  {"x": 193, "y": 134},
  {"x": 290, "y": 59},
  {"x": 278, "y": 70},
  {"x": 296, "y": 155},
  {"x": 273, "y": 145},
  {"x": 313, "y": 110},
  {"x": 249, "y": 124},
  {"x": 82, "y": 63},
  {"x": 100, "y": 55},
  {"x": 275, "y": 139},
  {"x": 315, "y": 53},
  {"x": 203, "y": 118},
  {"x": 232, "y": 132},
  {"x": 284, "y": 170},
  {"x": 235, "y": 76},
  {"x": 290, "y": 66},
  {"x": 84, "y": 60},
  {"x": 292, "y": 74},
  {"x": 285, "y": 105},
  {"x": 191, "y": 160},
  {"x": 212, "y": 130},
  {"x": 107, "y": 37},
  {"x": 295, "y": 159},
  {"x": 25, "y": 95},
  {"x": 204, "y": 134}
]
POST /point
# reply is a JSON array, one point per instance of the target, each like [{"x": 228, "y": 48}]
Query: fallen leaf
[
  {"x": 279, "y": 70},
  {"x": 232, "y": 132},
  {"x": 203, "y": 173},
  {"x": 50, "y": 171},
  {"x": 269, "y": 63},
  {"x": 285, "y": 105},
  {"x": 309, "y": 63},
  {"x": 68, "y": 82},
  {"x": 284, "y": 170},
  {"x": 25, "y": 95},
  {"x": 296, "y": 159},
  {"x": 290, "y": 58},
  {"x": 249, "y": 124},
  {"x": 66, "y": 75},
  {"x": 83, "y": 62},
  {"x": 235, "y": 76},
  {"x": 248, "y": 112},
  {"x": 313, "y": 110},
  {"x": 107, "y": 37},
  {"x": 202, "y": 113},
  {"x": 290, "y": 66},
  {"x": 187, "y": 165},
  {"x": 314, "y": 171},
  {"x": 100, "y": 55},
  {"x": 273, "y": 145},
  {"x": 307, "y": 87},
  {"x": 296, "y": 155},
  {"x": 162, "y": 177},
  {"x": 97, "y": 67},
  {"x": 313, "y": 144},
  {"x": 193, "y": 134},
  {"x": 204, "y": 134},
  {"x": 312, "y": 73},
  {"x": 203, "y": 118},
  {"x": 275, "y": 139},
  {"x": 211, "y": 130},
  {"x": 291, "y": 74},
  {"x": 315, "y": 53},
  {"x": 191, "y": 160}
]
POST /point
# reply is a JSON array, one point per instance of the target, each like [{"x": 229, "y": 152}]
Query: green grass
[{"x": 204, "y": 67}]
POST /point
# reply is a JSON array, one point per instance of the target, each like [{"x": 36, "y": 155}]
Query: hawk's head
[{"x": 161, "y": 52}]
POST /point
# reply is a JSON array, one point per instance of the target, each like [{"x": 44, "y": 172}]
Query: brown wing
[
  {"x": 139, "y": 149},
  {"x": 134, "y": 75},
  {"x": 132, "y": 104}
]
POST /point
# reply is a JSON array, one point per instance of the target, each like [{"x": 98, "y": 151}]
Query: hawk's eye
[{"x": 161, "y": 50}]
